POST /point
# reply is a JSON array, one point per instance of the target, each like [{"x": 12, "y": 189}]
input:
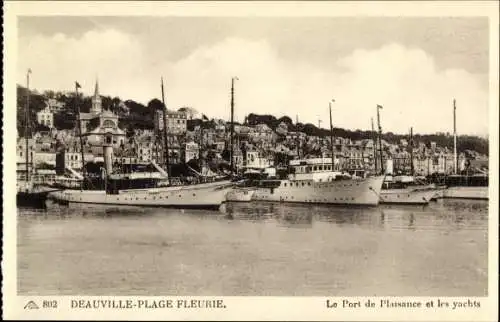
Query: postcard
[{"x": 250, "y": 161}]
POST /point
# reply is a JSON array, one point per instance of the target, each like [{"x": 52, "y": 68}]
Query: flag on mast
[
  {"x": 77, "y": 85},
  {"x": 29, "y": 71}
]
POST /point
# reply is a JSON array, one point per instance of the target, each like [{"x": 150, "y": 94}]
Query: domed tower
[{"x": 96, "y": 100}]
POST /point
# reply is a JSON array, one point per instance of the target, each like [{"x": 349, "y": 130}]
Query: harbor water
[{"x": 256, "y": 249}]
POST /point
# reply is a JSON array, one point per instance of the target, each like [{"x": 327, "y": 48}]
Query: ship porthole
[{"x": 194, "y": 194}]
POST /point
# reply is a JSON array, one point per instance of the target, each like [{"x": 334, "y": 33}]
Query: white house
[
  {"x": 45, "y": 117},
  {"x": 192, "y": 151}
]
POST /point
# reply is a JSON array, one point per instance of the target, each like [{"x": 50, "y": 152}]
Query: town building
[
  {"x": 45, "y": 117},
  {"x": 21, "y": 154},
  {"x": 257, "y": 160},
  {"x": 98, "y": 123},
  {"x": 54, "y": 106},
  {"x": 192, "y": 151},
  {"x": 176, "y": 122}
]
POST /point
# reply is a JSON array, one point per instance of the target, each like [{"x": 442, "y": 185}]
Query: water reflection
[
  {"x": 411, "y": 224},
  {"x": 443, "y": 215},
  {"x": 270, "y": 249}
]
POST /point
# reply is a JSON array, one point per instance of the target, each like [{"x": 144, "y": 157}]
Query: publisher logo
[{"x": 31, "y": 306}]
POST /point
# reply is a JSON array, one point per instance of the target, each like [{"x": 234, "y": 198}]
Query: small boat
[
  {"x": 30, "y": 195},
  {"x": 466, "y": 187},
  {"x": 404, "y": 190}
]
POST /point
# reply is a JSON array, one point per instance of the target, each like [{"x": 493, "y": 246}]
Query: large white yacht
[
  {"x": 315, "y": 181},
  {"x": 204, "y": 195}
]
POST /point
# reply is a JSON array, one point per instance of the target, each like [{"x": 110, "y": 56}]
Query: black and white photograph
[{"x": 257, "y": 155}]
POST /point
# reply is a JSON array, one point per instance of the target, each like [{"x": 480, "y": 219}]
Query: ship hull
[
  {"x": 480, "y": 193},
  {"x": 32, "y": 196},
  {"x": 202, "y": 196},
  {"x": 407, "y": 196},
  {"x": 363, "y": 192},
  {"x": 31, "y": 199},
  {"x": 240, "y": 195}
]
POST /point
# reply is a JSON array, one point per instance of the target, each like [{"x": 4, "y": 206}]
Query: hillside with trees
[{"x": 134, "y": 115}]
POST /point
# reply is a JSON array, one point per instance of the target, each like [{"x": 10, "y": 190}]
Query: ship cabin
[
  {"x": 398, "y": 182},
  {"x": 317, "y": 169}
]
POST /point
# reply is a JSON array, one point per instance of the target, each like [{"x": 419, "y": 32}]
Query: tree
[
  {"x": 65, "y": 120},
  {"x": 285, "y": 119},
  {"x": 49, "y": 94},
  {"x": 155, "y": 105}
]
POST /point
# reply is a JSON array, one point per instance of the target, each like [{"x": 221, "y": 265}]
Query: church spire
[
  {"x": 96, "y": 92},
  {"x": 96, "y": 100}
]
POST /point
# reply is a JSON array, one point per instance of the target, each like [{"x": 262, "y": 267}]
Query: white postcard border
[{"x": 238, "y": 308}]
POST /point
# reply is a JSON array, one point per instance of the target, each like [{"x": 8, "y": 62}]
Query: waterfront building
[
  {"x": 238, "y": 159},
  {"x": 192, "y": 151},
  {"x": 257, "y": 160},
  {"x": 44, "y": 157},
  {"x": 144, "y": 149},
  {"x": 21, "y": 154}
]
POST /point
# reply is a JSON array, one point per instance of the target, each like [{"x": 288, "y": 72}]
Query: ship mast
[
  {"x": 232, "y": 124},
  {"x": 77, "y": 86},
  {"x": 411, "y": 152},
  {"x": 200, "y": 150},
  {"x": 379, "y": 107},
  {"x": 331, "y": 131},
  {"x": 374, "y": 145},
  {"x": 165, "y": 132},
  {"x": 27, "y": 111},
  {"x": 455, "y": 160},
  {"x": 297, "y": 141}
]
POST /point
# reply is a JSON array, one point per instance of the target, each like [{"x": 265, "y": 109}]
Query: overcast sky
[{"x": 414, "y": 67}]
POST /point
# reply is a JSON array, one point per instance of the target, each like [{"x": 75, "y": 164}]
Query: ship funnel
[
  {"x": 108, "y": 154},
  {"x": 389, "y": 167}
]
